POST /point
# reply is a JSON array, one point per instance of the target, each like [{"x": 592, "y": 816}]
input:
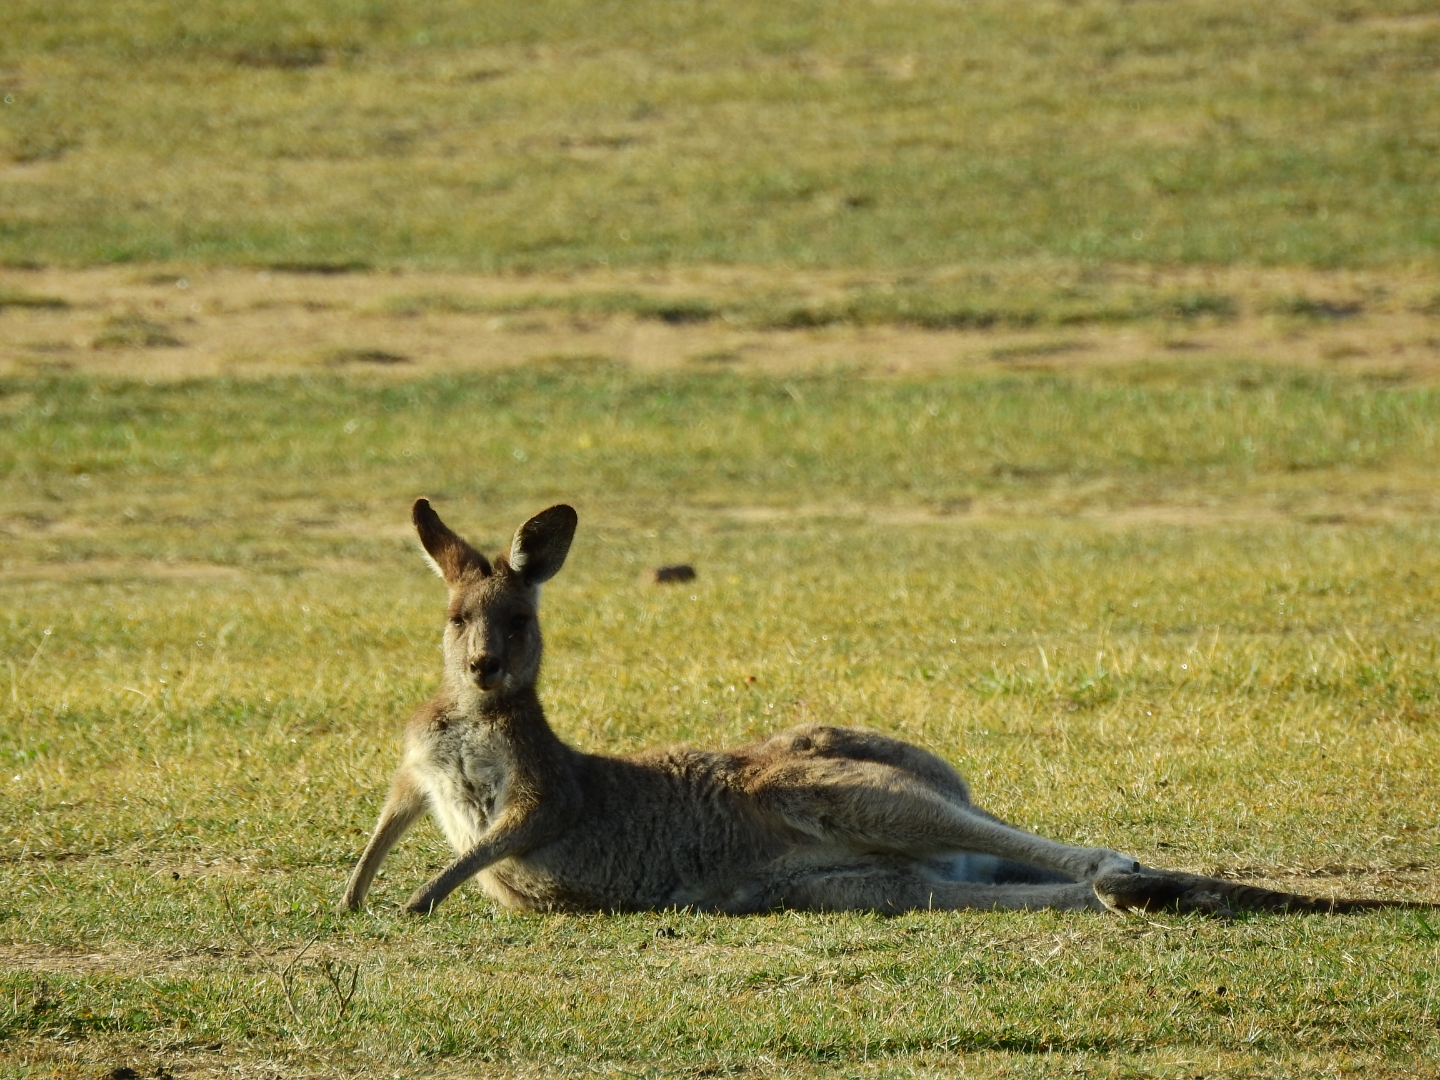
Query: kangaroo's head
[{"x": 492, "y": 635}]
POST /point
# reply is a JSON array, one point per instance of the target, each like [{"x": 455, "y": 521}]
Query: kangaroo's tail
[{"x": 1165, "y": 890}]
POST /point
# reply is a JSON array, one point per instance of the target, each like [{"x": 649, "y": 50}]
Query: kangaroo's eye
[
  {"x": 457, "y": 620},
  {"x": 519, "y": 622}
]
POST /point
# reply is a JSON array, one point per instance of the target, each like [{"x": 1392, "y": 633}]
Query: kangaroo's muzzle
[{"x": 488, "y": 670}]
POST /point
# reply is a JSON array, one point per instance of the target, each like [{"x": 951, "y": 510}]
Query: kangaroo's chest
[{"x": 466, "y": 772}]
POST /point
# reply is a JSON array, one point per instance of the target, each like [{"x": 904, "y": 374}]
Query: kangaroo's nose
[{"x": 485, "y": 667}]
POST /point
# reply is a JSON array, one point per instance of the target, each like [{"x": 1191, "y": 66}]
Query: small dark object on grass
[
  {"x": 367, "y": 356},
  {"x": 122, "y": 1072},
  {"x": 672, "y": 575},
  {"x": 352, "y": 266}
]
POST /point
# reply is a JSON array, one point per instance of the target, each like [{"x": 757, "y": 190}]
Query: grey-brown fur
[{"x": 816, "y": 818}]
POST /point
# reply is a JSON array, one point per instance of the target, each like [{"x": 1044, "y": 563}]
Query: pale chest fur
[{"x": 465, "y": 772}]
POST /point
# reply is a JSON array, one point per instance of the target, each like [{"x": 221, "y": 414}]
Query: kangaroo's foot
[
  {"x": 1156, "y": 890},
  {"x": 1104, "y": 863}
]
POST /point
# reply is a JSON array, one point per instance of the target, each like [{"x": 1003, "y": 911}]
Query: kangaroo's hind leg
[
  {"x": 993, "y": 870},
  {"x": 895, "y": 889},
  {"x": 870, "y": 807}
]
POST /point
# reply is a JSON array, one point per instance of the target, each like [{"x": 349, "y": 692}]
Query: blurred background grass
[{"x": 564, "y": 134}]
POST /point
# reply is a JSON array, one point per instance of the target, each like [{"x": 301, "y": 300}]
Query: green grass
[
  {"x": 510, "y": 438},
  {"x": 1186, "y": 612},
  {"x": 561, "y": 134}
]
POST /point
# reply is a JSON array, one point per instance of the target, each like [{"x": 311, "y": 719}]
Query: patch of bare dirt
[
  {"x": 56, "y": 960},
  {"x": 1419, "y": 22},
  {"x": 168, "y": 323},
  {"x": 117, "y": 570},
  {"x": 1330, "y": 509},
  {"x": 1188, "y": 516}
]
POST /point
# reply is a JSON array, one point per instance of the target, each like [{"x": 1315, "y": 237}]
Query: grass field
[
  {"x": 573, "y": 134},
  {"x": 1056, "y": 385},
  {"x": 1190, "y": 613}
]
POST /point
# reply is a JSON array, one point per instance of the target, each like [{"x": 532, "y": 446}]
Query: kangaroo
[{"x": 815, "y": 818}]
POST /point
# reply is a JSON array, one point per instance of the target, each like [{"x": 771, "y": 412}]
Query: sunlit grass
[
  {"x": 1188, "y": 613},
  {"x": 562, "y": 134}
]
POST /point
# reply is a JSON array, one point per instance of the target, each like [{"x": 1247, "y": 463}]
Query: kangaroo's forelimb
[
  {"x": 404, "y": 805},
  {"x": 513, "y": 833}
]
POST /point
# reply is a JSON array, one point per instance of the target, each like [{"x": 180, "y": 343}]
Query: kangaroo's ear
[
  {"x": 541, "y": 544},
  {"x": 451, "y": 557}
]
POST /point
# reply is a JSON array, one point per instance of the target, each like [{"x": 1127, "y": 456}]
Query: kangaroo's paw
[
  {"x": 420, "y": 903},
  {"x": 1158, "y": 890}
]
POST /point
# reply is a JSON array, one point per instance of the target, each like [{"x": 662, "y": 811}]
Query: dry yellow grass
[{"x": 178, "y": 322}]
